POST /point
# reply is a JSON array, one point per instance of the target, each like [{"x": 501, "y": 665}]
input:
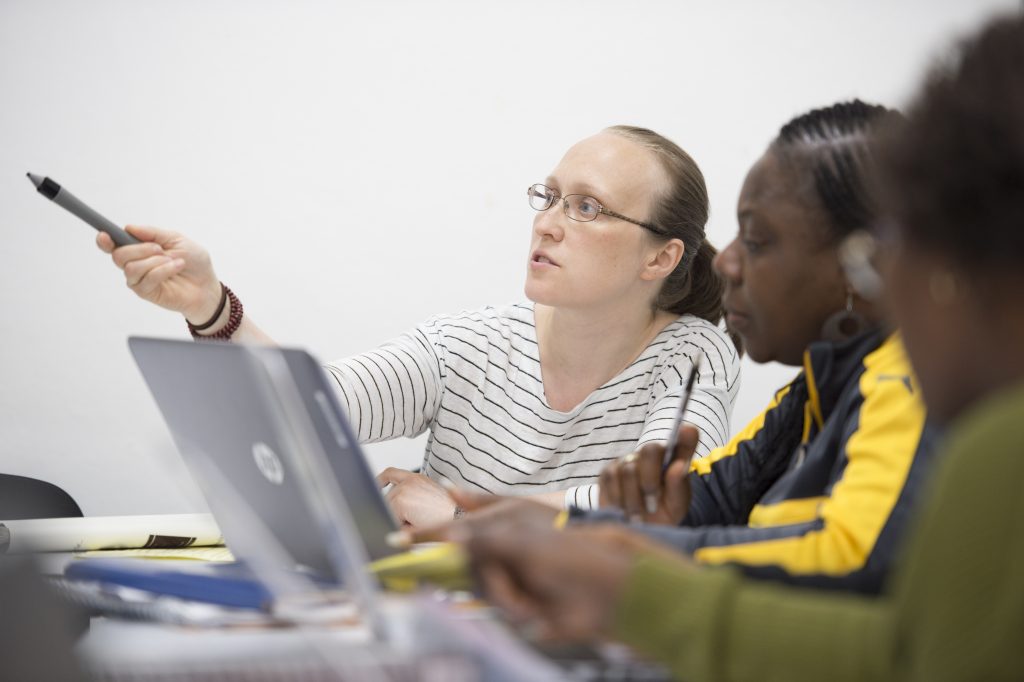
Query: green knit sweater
[{"x": 954, "y": 610}]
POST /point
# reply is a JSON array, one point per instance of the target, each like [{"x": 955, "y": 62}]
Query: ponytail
[{"x": 694, "y": 287}]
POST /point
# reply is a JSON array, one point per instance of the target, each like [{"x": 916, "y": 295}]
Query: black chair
[
  {"x": 29, "y": 498},
  {"x": 22, "y": 497}
]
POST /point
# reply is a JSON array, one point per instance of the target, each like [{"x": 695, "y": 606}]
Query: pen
[
  {"x": 673, "y": 435},
  {"x": 60, "y": 196}
]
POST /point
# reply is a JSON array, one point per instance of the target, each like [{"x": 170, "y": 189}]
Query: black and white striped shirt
[{"x": 474, "y": 380}]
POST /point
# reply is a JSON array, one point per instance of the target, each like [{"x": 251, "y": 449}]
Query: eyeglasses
[{"x": 578, "y": 207}]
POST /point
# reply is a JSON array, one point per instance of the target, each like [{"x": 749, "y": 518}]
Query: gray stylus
[{"x": 58, "y": 195}]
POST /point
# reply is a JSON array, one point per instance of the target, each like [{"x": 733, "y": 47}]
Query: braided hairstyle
[{"x": 833, "y": 146}]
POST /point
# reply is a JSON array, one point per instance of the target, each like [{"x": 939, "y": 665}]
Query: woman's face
[
  {"x": 782, "y": 277},
  {"x": 586, "y": 264}
]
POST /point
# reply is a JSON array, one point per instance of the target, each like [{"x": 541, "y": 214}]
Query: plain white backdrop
[{"x": 355, "y": 167}]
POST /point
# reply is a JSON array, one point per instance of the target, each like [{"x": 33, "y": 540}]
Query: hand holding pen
[
  {"x": 652, "y": 485},
  {"x": 168, "y": 269}
]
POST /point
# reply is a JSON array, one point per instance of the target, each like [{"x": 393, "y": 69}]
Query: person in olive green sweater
[{"x": 954, "y": 610}]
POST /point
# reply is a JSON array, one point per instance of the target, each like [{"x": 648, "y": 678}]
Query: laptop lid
[{"x": 214, "y": 397}]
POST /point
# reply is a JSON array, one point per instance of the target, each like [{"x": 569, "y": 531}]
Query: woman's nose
[
  {"x": 727, "y": 263},
  {"x": 551, "y": 223}
]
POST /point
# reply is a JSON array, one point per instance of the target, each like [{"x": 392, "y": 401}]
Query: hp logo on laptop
[{"x": 268, "y": 463}]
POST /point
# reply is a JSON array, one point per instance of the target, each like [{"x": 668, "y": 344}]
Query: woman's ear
[{"x": 664, "y": 260}]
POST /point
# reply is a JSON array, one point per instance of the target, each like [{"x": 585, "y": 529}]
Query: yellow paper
[{"x": 445, "y": 565}]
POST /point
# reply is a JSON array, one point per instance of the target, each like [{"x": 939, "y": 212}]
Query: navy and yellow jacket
[{"x": 817, "y": 489}]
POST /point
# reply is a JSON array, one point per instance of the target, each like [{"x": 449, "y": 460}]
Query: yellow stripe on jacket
[{"x": 703, "y": 466}]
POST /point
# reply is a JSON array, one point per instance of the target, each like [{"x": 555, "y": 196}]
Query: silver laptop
[
  {"x": 242, "y": 408},
  {"x": 261, "y": 430}
]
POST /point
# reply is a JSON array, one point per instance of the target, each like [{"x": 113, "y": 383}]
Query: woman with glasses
[{"x": 528, "y": 399}]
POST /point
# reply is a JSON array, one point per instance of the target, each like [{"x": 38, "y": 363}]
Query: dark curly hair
[{"x": 955, "y": 172}]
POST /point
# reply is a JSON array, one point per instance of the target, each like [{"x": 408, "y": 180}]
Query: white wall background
[{"x": 354, "y": 168}]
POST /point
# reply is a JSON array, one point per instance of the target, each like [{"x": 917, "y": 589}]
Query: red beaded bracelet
[{"x": 234, "y": 321}]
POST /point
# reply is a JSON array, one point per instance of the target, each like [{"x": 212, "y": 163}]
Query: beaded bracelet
[{"x": 234, "y": 320}]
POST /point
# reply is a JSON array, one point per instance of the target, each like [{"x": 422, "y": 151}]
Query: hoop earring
[{"x": 845, "y": 324}]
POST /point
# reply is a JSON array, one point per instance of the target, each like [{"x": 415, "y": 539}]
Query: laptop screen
[{"x": 215, "y": 401}]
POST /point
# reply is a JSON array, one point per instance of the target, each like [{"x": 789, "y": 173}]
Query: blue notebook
[{"x": 225, "y": 584}]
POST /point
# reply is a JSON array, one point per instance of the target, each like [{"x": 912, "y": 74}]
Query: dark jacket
[{"x": 817, "y": 489}]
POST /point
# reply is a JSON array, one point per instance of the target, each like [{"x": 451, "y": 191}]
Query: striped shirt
[{"x": 474, "y": 380}]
